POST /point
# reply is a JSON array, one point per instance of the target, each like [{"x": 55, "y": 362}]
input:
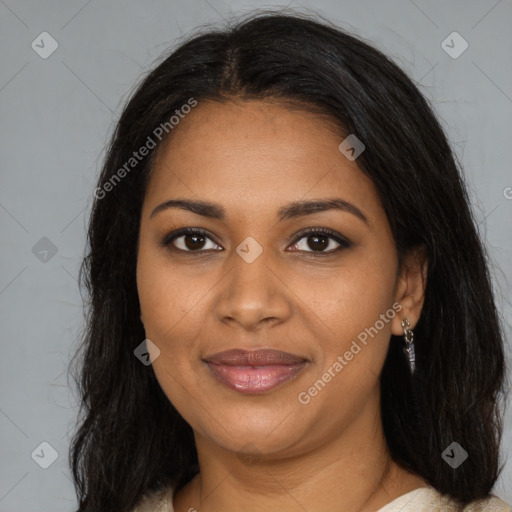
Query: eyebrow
[{"x": 290, "y": 211}]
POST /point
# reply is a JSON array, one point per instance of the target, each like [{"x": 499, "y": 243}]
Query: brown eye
[
  {"x": 189, "y": 240},
  {"x": 318, "y": 240},
  {"x": 193, "y": 241}
]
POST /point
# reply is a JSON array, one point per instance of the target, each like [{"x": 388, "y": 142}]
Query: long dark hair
[{"x": 130, "y": 438}]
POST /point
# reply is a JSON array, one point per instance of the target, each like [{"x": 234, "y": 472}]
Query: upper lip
[{"x": 261, "y": 357}]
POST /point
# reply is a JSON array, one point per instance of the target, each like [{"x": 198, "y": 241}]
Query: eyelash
[{"x": 344, "y": 243}]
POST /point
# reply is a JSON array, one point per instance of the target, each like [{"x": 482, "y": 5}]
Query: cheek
[
  {"x": 168, "y": 305},
  {"x": 173, "y": 306},
  {"x": 352, "y": 298},
  {"x": 347, "y": 308},
  {"x": 166, "y": 295}
]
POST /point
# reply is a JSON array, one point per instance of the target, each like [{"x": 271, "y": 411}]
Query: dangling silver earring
[{"x": 409, "y": 344}]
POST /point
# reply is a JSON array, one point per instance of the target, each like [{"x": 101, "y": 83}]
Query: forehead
[{"x": 257, "y": 155}]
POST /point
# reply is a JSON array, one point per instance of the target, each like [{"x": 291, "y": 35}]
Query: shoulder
[
  {"x": 156, "y": 501},
  {"x": 491, "y": 504},
  {"x": 428, "y": 499}
]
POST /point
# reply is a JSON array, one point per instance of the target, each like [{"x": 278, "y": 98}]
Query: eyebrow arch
[{"x": 292, "y": 210}]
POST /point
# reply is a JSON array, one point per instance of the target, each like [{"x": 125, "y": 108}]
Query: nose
[{"x": 253, "y": 295}]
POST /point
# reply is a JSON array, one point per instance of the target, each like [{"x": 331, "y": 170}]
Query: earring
[{"x": 409, "y": 344}]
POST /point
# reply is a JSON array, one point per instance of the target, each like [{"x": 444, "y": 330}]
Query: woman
[{"x": 290, "y": 304}]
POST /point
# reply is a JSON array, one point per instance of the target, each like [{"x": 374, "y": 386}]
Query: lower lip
[{"x": 254, "y": 380}]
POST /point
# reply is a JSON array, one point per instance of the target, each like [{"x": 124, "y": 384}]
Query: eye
[
  {"x": 188, "y": 240},
  {"x": 195, "y": 240},
  {"x": 318, "y": 239}
]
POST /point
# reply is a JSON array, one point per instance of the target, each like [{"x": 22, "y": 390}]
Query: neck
[{"x": 349, "y": 472}]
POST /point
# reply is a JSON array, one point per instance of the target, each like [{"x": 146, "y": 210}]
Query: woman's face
[{"x": 253, "y": 280}]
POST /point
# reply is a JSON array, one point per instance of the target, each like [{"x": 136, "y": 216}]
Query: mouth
[{"x": 254, "y": 372}]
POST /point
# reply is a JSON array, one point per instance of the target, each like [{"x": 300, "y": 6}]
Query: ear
[{"x": 410, "y": 288}]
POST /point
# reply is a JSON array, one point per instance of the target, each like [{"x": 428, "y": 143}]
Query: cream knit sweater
[{"x": 424, "y": 499}]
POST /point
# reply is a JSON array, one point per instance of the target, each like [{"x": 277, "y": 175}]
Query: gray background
[{"x": 56, "y": 114}]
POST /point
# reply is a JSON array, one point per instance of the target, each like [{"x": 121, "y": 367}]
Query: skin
[{"x": 253, "y": 157}]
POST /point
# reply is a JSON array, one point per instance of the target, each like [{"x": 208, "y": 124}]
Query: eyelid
[{"x": 344, "y": 243}]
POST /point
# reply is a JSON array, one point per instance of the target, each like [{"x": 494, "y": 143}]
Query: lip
[
  {"x": 260, "y": 357},
  {"x": 256, "y": 371}
]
